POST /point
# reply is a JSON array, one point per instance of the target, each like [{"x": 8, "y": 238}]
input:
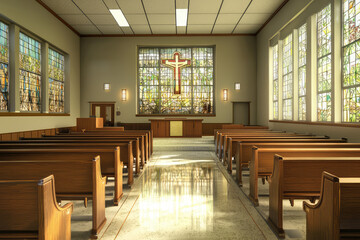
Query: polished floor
[{"x": 183, "y": 193}]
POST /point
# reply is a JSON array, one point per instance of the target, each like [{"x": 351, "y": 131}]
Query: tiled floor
[{"x": 183, "y": 193}]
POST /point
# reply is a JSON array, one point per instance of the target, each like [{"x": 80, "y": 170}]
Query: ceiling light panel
[
  {"x": 119, "y": 17},
  {"x": 181, "y": 17}
]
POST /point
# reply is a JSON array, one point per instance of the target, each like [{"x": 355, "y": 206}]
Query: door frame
[
  {"x": 104, "y": 103},
  {"x": 233, "y": 115}
]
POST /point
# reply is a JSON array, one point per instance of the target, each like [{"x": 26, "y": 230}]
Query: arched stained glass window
[
  {"x": 56, "y": 81},
  {"x": 30, "y": 74},
  {"x": 4, "y": 63},
  {"x": 176, "y": 80},
  {"x": 324, "y": 78},
  {"x": 351, "y": 61}
]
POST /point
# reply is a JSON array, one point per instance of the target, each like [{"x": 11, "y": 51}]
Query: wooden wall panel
[{"x": 31, "y": 134}]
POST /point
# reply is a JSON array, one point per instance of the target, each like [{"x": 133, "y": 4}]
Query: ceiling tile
[
  {"x": 264, "y": 6},
  {"x": 235, "y": 6},
  {"x": 110, "y": 29},
  {"x": 127, "y": 30},
  {"x": 141, "y": 29},
  {"x": 75, "y": 19},
  {"x": 159, "y": 6},
  {"x": 204, "y": 6},
  {"x": 136, "y": 19},
  {"x": 62, "y": 7},
  {"x": 163, "y": 29},
  {"x": 131, "y": 6},
  {"x": 253, "y": 18},
  {"x": 161, "y": 19},
  {"x": 247, "y": 28},
  {"x": 92, "y": 6},
  {"x": 182, "y": 4},
  {"x": 102, "y": 19},
  {"x": 203, "y": 19},
  {"x": 111, "y": 4},
  {"x": 223, "y": 29},
  {"x": 200, "y": 29},
  {"x": 181, "y": 30},
  {"x": 228, "y": 18},
  {"x": 86, "y": 29}
]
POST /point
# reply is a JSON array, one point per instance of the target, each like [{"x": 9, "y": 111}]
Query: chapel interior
[{"x": 180, "y": 119}]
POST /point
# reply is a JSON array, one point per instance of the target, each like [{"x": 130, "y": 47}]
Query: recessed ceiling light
[
  {"x": 119, "y": 17},
  {"x": 181, "y": 17}
]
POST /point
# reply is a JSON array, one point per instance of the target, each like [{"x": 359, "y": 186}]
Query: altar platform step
[{"x": 184, "y": 144}]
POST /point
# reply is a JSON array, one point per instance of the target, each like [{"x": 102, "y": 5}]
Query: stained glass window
[
  {"x": 56, "y": 81},
  {"x": 302, "y": 73},
  {"x": 324, "y": 78},
  {"x": 276, "y": 82},
  {"x": 30, "y": 74},
  {"x": 163, "y": 91},
  {"x": 287, "y": 67},
  {"x": 4, "y": 63},
  {"x": 351, "y": 61}
]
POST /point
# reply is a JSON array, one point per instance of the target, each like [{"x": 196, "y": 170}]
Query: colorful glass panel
[
  {"x": 4, "y": 63},
  {"x": 30, "y": 70},
  {"x": 156, "y": 82},
  {"x": 275, "y": 82},
  {"x": 56, "y": 81},
  {"x": 287, "y": 87},
  {"x": 302, "y": 73},
  {"x": 351, "y": 61},
  {"x": 324, "y": 78}
]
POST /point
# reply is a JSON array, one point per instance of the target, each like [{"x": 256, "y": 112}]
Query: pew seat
[{"x": 28, "y": 210}]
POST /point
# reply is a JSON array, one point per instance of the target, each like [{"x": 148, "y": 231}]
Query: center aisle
[{"x": 183, "y": 194}]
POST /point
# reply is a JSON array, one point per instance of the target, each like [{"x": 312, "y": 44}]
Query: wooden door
[
  {"x": 105, "y": 111},
  {"x": 241, "y": 113}
]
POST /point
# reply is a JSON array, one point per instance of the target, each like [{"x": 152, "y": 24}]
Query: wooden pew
[
  {"x": 243, "y": 152},
  {"x": 136, "y": 150},
  {"x": 28, "y": 209},
  {"x": 337, "y": 214},
  {"x": 262, "y": 162},
  {"x": 75, "y": 179},
  {"x": 111, "y": 165},
  {"x": 229, "y": 153},
  {"x": 300, "y": 178},
  {"x": 126, "y": 153}
]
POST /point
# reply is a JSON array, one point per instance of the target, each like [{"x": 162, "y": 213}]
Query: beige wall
[
  {"x": 114, "y": 59},
  {"x": 287, "y": 13},
  {"x": 32, "y": 16}
]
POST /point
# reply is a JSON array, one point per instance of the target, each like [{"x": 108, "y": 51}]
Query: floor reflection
[{"x": 178, "y": 194}]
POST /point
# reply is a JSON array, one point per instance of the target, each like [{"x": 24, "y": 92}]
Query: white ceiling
[{"x": 158, "y": 16}]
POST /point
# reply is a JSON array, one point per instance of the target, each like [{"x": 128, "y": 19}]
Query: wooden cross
[{"x": 176, "y": 63}]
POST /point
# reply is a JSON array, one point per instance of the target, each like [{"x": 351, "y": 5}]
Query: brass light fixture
[
  {"x": 225, "y": 94},
  {"x": 123, "y": 94}
]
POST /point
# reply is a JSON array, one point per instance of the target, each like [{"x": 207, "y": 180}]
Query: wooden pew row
[
  {"x": 29, "y": 210},
  {"x": 337, "y": 214},
  {"x": 218, "y": 131},
  {"x": 225, "y": 141},
  {"x": 126, "y": 153},
  {"x": 232, "y": 141},
  {"x": 243, "y": 152},
  {"x": 300, "y": 178},
  {"x": 219, "y": 135},
  {"x": 262, "y": 163},
  {"x": 75, "y": 179},
  {"x": 136, "y": 150},
  {"x": 147, "y": 133},
  {"x": 139, "y": 151},
  {"x": 111, "y": 165},
  {"x": 252, "y": 128}
]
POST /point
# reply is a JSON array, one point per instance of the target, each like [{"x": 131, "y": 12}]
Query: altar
[{"x": 176, "y": 127}]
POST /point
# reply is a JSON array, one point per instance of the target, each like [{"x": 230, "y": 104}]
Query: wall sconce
[
  {"x": 237, "y": 86},
  {"x": 123, "y": 94},
  {"x": 225, "y": 94},
  {"x": 106, "y": 86}
]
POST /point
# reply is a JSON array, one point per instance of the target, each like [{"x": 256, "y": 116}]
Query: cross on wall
[{"x": 177, "y": 63}]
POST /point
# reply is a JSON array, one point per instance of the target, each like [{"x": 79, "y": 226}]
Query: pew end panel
[
  {"x": 275, "y": 202},
  {"x": 119, "y": 166},
  {"x": 253, "y": 178}
]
